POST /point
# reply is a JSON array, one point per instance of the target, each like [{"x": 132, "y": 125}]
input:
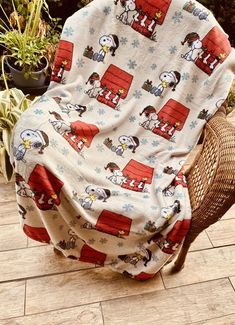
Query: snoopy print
[
  {"x": 126, "y": 142},
  {"x": 31, "y": 139},
  {"x": 128, "y": 6},
  {"x": 195, "y": 44},
  {"x": 108, "y": 43},
  {"x": 92, "y": 194}
]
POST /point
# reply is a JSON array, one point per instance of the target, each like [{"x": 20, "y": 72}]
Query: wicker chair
[{"x": 211, "y": 180}]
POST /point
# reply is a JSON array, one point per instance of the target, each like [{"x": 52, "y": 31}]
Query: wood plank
[
  {"x": 8, "y": 213},
  {"x": 225, "y": 320},
  {"x": 176, "y": 306},
  {"x": 222, "y": 233},
  {"x": 12, "y": 299},
  {"x": 83, "y": 287},
  {"x": 202, "y": 266},
  {"x": 230, "y": 214},
  {"x": 12, "y": 237},
  {"x": 89, "y": 315},
  {"x": 35, "y": 261},
  {"x": 7, "y": 192},
  {"x": 201, "y": 242}
]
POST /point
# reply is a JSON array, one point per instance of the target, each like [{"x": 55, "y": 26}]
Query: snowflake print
[
  {"x": 60, "y": 169},
  {"x": 65, "y": 151},
  {"x": 135, "y": 44},
  {"x": 90, "y": 108},
  {"x": 91, "y": 241},
  {"x": 80, "y": 178},
  {"x": 154, "y": 66},
  {"x": 78, "y": 88},
  {"x": 79, "y": 163},
  {"x": 153, "y": 207},
  {"x": 172, "y": 49},
  {"x": 210, "y": 96},
  {"x": 72, "y": 223},
  {"x": 132, "y": 64},
  {"x": 30, "y": 208},
  {"x": 132, "y": 119},
  {"x": 152, "y": 49},
  {"x": 68, "y": 31},
  {"x": 137, "y": 94},
  {"x": 177, "y": 17},
  {"x": 146, "y": 196},
  {"x": 117, "y": 116},
  {"x": 53, "y": 143},
  {"x": 123, "y": 40},
  {"x": 120, "y": 244},
  {"x": 80, "y": 63},
  {"x": 115, "y": 193},
  {"x": 43, "y": 99},
  {"x": 92, "y": 30},
  {"x": 170, "y": 148},
  {"x": 185, "y": 76},
  {"x": 54, "y": 217},
  {"x": 189, "y": 98},
  {"x": 179, "y": 196},
  {"x": 195, "y": 79},
  {"x": 103, "y": 241},
  {"x": 144, "y": 141},
  {"x": 100, "y": 147},
  {"x": 98, "y": 170},
  {"x": 101, "y": 111},
  {"x": 107, "y": 10},
  {"x": 38, "y": 111},
  {"x": 158, "y": 176},
  {"x": 128, "y": 207},
  {"x": 100, "y": 123},
  {"x": 155, "y": 143},
  {"x": 85, "y": 13},
  {"x": 228, "y": 77},
  {"x": 190, "y": 148},
  {"x": 193, "y": 124},
  {"x": 127, "y": 194},
  {"x": 158, "y": 190},
  {"x": 151, "y": 159}
]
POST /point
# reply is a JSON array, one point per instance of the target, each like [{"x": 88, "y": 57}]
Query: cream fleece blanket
[{"x": 99, "y": 158}]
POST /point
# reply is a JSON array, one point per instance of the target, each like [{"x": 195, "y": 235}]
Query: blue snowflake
[
  {"x": 206, "y": 83},
  {"x": 115, "y": 193},
  {"x": 193, "y": 124},
  {"x": 195, "y": 79},
  {"x": 177, "y": 17},
  {"x": 190, "y": 148},
  {"x": 137, "y": 94},
  {"x": 60, "y": 169},
  {"x": 100, "y": 123},
  {"x": 154, "y": 66},
  {"x": 123, "y": 40},
  {"x": 132, "y": 119},
  {"x": 65, "y": 151},
  {"x": 152, "y": 49},
  {"x": 79, "y": 162},
  {"x": 189, "y": 98},
  {"x": 179, "y": 196},
  {"x": 43, "y": 99},
  {"x": 98, "y": 170},
  {"x": 92, "y": 30},
  {"x": 132, "y": 64},
  {"x": 144, "y": 141},
  {"x": 155, "y": 143},
  {"x": 146, "y": 196},
  {"x": 68, "y": 31},
  {"x": 127, "y": 194},
  {"x": 210, "y": 96},
  {"x": 228, "y": 77},
  {"x": 100, "y": 147},
  {"x": 117, "y": 116},
  {"x": 53, "y": 143},
  {"x": 107, "y": 11},
  {"x": 101, "y": 111},
  {"x": 153, "y": 207},
  {"x": 172, "y": 49},
  {"x": 79, "y": 88},
  {"x": 135, "y": 43},
  {"x": 80, "y": 63},
  {"x": 151, "y": 159},
  {"x": 128, "y": 207},
  {"x": 80, "y": 179},
  {"x": 185, "y": 76},
  {"x": 170, "y": 148},
  {"x": 158, "y": 176},
  {"x": 38, "y": 111},
  {"x": 158, "y": 189},
  {"x": 85, "y": 13},
  {"x": 90, "y": 108}
]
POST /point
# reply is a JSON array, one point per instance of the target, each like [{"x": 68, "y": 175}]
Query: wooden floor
[{"x": 38, "y": 287}]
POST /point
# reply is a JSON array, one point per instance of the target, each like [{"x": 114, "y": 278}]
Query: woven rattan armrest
[{"x": 211, "y": 179}]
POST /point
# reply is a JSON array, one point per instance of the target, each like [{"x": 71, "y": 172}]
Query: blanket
[{"x": 99, "y": 158}]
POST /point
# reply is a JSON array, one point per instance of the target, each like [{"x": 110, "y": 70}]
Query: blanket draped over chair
[{"x": 99, "y": 158}]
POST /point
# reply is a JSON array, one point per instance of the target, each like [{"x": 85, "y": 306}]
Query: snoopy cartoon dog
[
  {"x": 93, "y": 195},
  {"x": 109, "y": 43},
  {"x": 95, "y": 85},
  {"x": 196, "y": 47},
  {"x": 127, "y": 142},
  {"x": 128, "y": 5},
  {"x": 31, "y": 140},
  {"x": 152, "y": 118},
  {"x": 168, "y": 80}
]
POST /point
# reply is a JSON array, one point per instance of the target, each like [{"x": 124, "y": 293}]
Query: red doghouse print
[
  {"x": 150, "y": 13},
  {"x": 137, "y": 175},
  {"x": 38, "y": 234},
  {"x": 90, "y": 255},
  {"x": 63, "y": 60},
  {"x": 113, "y": 224},
  {"x": 171, "y": 118},
  {"x": 216, "y": 49},
  {"x": 46, "y": 188},
  {"x": 115, "y": 85},
  {"x": 81, "y": 135}
]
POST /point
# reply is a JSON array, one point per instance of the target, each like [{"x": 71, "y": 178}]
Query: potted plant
[{"x": 26, "y": 44}]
